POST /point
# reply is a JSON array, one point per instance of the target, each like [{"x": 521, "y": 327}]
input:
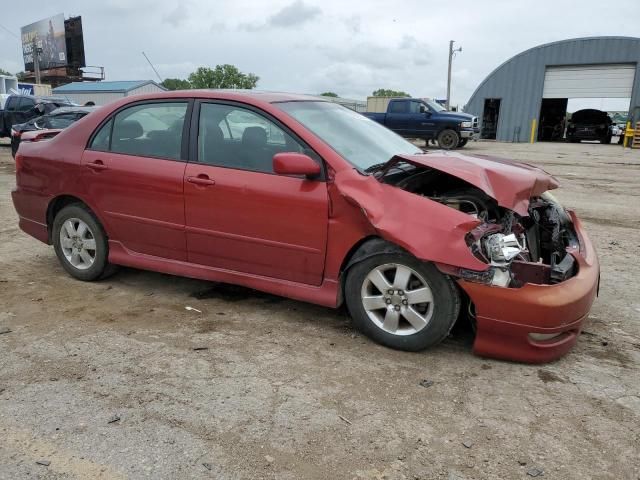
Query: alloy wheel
[
  {"x": 397, "y": 299},
  {"x": 78, "y": 243}
]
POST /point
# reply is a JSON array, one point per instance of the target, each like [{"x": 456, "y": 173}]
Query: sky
[{"x": 308, "y": 46}]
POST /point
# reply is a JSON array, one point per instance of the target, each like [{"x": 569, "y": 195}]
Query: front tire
[
  {"x": 448, "y": 139},
  {"x": 401, "y": 302},
  {"x": 462, "y": 142},
  {"x": 81, "y": 244}
]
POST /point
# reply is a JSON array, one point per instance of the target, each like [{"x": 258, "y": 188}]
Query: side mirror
[
  {"x": 290, "y": 163},
  {"x": 423, "y": 109}
]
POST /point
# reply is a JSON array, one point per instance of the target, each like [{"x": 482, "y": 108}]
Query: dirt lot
[{"x": 257, "y": 386}]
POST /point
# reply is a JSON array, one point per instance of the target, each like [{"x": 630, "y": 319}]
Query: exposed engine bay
[{"x": 519, "y": 249}]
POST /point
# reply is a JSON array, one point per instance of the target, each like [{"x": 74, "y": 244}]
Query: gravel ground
[{"x": 116, "y": 379}]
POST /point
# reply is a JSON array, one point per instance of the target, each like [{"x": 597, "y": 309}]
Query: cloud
[
  {"x": 177, "y": 16},
  {"x": 409, "y": 52},
  {"x": 293, "y": 15}
]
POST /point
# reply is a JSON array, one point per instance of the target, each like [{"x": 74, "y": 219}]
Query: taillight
[{"x": 18, "y": 162}]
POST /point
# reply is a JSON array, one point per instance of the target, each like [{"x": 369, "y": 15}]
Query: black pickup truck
[
  {"x": 22, "y": 108},
  {"x": 427, "y": 120}
]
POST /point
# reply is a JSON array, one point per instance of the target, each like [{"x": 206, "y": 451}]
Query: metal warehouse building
[
  {"x": 102, "y": 93},
  {"x": 514, "y": 100}
]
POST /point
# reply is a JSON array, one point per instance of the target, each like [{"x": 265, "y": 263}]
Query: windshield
[
  {"x": 435, "y": 106},
  {"x": 360, "y": 141}
]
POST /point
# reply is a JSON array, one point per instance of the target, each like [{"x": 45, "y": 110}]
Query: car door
[
  {"x": 398, "y": 116},
  {"x": 241, "y": 216},
  {"x": 134, "y": 173},
  {"x": 25, "y": 111},
  {"x": 419, "y": 121}
]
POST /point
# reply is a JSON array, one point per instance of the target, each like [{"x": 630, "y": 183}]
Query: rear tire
[
  {"x": 418, "y": 314},
  {"x": 81, "y": 244},
  {"x": 448, "y": 139},
  {"x": 606, "y": 140}
]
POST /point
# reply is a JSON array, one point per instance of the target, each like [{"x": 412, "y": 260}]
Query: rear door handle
[
  {"x": 97, "y": 165},
  {"x": 201, "y": 179}
]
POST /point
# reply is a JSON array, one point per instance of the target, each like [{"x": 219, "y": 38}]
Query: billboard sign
[{"x": 48, "y": 37}]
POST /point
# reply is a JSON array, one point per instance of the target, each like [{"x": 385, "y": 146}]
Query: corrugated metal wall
[
  {"x": 148, "y": 88},
  {"x": 519, "y": 82}
]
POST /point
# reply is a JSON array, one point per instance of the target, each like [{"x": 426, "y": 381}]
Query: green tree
[
  {"x": 4, "y": 72},
  {"x": 329, "y": 94},
  {"x": 222, "y": 76},
  {"x": 21, "y": 76},
  {"x": 385, "y": 92},
  {"x": 176, "y": 84}
]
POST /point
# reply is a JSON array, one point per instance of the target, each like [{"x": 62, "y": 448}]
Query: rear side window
[
  {"x": 147, "y": 130},
  {"x": 102, "y": 138},
  {"x": 399, "y": 107},
  {"x": 26, "y": 104},
  {"x": 12, "y": 104}
]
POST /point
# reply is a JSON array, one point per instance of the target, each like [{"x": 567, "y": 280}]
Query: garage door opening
[
  {"x": 557, "y": 122},
  {"x": 589, "y": 90},
  {"x": 490, "y": 117},
  {"x": 553, "y": 119}
]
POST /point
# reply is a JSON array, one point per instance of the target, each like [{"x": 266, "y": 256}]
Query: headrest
[
  {"x": 254, "y": 136},
  {"x": 127, "y": 130}
]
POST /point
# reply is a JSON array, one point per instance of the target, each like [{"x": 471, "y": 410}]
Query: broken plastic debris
[{"x": 191, "y": 309}]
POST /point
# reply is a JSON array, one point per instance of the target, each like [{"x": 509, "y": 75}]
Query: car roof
[
  {"x": 44, "y": 98},
  {"x": 72, "y": 109},
  {"x": 232, "y": 94}
]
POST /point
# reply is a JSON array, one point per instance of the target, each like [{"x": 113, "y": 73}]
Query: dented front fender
[{"x": 427, "y": 229}]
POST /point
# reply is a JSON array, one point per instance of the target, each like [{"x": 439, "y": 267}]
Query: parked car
[
  {"x": 315, "y": 202},
  {"x": 22, "y": 108},
  {"x": 589, "y": 124},
  {"x": 424, "y": 119},
  {"x": 58, "y": 119}
]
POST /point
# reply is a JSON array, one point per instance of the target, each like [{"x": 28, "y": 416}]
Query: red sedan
[{"x": 304, "y": 198}]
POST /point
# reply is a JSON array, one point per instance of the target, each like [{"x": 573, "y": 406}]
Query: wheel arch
[
  {"x": 364, "y": 248},
  {"x": 59, "y": 202}
]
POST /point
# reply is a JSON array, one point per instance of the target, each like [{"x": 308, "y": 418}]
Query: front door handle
[
  {"x": 201, "y": 179},
  {"x": 97, "y": 165}
]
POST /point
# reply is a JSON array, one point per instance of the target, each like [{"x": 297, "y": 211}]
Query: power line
[{"x": 9, "y": 31}]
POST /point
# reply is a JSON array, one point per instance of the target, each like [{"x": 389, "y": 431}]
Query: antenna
[{"x": 154, "y": 68}]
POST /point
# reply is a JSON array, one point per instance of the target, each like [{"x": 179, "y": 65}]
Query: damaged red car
[{"x": 306, "y": 199}]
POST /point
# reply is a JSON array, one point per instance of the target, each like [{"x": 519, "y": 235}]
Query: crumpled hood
[{"x": 511, "y": 184}]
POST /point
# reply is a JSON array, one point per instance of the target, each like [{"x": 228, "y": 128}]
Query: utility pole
[
  {"x": 154, "y": 68},
  {"x": 451, "y": 54},
  {"x": 35, "y": 51}
]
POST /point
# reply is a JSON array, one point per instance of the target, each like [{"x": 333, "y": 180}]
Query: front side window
[
  {"x": 231, "y": 136},
  {"x": 147, "y": 130},
  {"x": 414, "y": 107}
]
